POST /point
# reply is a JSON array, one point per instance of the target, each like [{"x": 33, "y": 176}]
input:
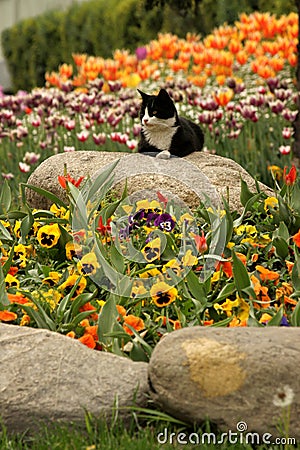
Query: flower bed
[{"x": 118, "y": 275}]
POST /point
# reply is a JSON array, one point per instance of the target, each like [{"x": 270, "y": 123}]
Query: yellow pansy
[
  {"x": 72, "y": 250},
  {"x": 186, "y": 217},
  {"x": 163, "y": 294},
  {"x": 52, "y": 297},
  {"x": 60, "y": 212},
  {"x": 138, "y": 290},
  {"x": 11, "y": 281},
  {"x": 270, "y": 202},
  {"x": 127, "y": 209},
  {"x": 189, "y": 260},
  {"x": 148, "y": 206},
  {"x": 237, "y": 307},
  {"x": 48, "y": 235},
  {"x": 151, "y": 251},
  {"x": 88, "y": 264},
  {"x": 172, "y": 265},
  {"x": 151, "y": 271},
  {"x": 248, "y": 229},
  {"x": 276, "y": 171},
  {"x": 52, "y": 279},
  {"x": 216, "y": 276},
  {"x": 230, "y": 245},
  {"x": 70, "y": 282}
]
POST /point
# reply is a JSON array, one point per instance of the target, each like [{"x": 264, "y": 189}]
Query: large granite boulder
[
  {"x": 47, "y": 377},
  {"x": 199, "y": 175},
  {"x": 239, "y": 378},
  {"x": 242, "y": 379}
]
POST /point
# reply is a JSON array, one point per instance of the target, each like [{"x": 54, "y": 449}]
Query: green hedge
[
  {"x": 31, "y": 47},
  {"x": 97, "y": 27}
]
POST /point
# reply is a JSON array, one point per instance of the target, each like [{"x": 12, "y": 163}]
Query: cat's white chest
[
  {"x": 160, "y": 138},
  {"x": 159, "y": 132}
]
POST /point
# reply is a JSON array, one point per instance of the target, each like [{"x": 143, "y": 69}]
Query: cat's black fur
[{"x": 166, "y": 131}]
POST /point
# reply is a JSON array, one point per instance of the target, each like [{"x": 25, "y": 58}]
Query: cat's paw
[{"x": 164, "y": 155}]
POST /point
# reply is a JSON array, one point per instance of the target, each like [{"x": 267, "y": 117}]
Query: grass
[{"x": 98, "y": 435}]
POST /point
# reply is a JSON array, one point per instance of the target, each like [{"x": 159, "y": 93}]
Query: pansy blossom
[
  {"x": 163, "y": 294},
  {"x": 48, "y": 235},
  {"x": 151, "y": 251}
]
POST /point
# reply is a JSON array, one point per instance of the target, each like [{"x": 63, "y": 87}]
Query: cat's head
[{"x": 157, "y": 110}]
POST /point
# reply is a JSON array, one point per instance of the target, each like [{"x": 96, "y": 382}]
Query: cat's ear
[
  {"x": 143, "y": 95},
  {"x": 163, "y": 94},
  {"x": 164, "y": 97}
]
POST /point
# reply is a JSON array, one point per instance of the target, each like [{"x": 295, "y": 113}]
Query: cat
[{"x": 165, "y": 132}]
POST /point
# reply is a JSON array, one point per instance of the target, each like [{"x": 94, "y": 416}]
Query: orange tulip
[
  {"x": 53, "y": 79},
  {"x": 261, "y": 293},
  {"x": 88, "y": 340},
  {"x": 92, "y": 331},
  {"x": 234, "y": 46},
  {"x": 79, "y": 59},
  {"x": 7, "y": 316},
  {"x": 135, "y": 322},
  {"x": 66, "y": 71},
  {"x": 276, "y": 64},
  {"x": 223, "y": 97},
  {"x": 292, "y": 59},
  {"x": 71, "y": 334},
  {"x": 296, "y": 239},
  {"x": 241, "y": 57},
  {"x": 121, "y": 310},
  {"x": 290, "y": 177},
  {"x": 17, "y": 298},
  {"x": 266, "y": 274},
  {"x": 89, "y": 307}
]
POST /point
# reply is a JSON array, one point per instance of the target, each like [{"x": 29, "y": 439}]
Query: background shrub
[{"x": 31, "y": 47}]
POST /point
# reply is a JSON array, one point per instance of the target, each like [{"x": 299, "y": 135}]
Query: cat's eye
[{"x": 154, "y": 112}]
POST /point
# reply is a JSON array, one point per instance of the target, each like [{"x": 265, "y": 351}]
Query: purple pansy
[
  {"x": 164, "y": 222},
  {"x": 151, "y": 217},
  {"x": 284, "y": 322},
  {"x": 136, "y": 219}
]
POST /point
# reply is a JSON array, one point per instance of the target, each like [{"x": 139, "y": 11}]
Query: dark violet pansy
[
  {"x": 124, "y": 233},
  {"x": 151, "y": 217},
  {"x": 136, "y": 219},
  {"x": 284, "y": 322},
  {"x": 164, "y": 222}
]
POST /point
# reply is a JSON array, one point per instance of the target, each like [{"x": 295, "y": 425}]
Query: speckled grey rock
[
  {"x": 229, "y": 375},
  {"x": 196, "y": 176},
  {"x": 46, "y": 376}
]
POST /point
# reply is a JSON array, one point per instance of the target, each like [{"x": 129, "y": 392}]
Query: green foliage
[
  {"x": 276, "y": 6},
  {"x": 141, "y": 434},
  {"x": 32, "y": 47},
  {"x": 202, "y": 16}
]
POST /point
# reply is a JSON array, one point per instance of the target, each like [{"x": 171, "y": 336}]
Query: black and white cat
[{"x": 165, "y": 132}]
